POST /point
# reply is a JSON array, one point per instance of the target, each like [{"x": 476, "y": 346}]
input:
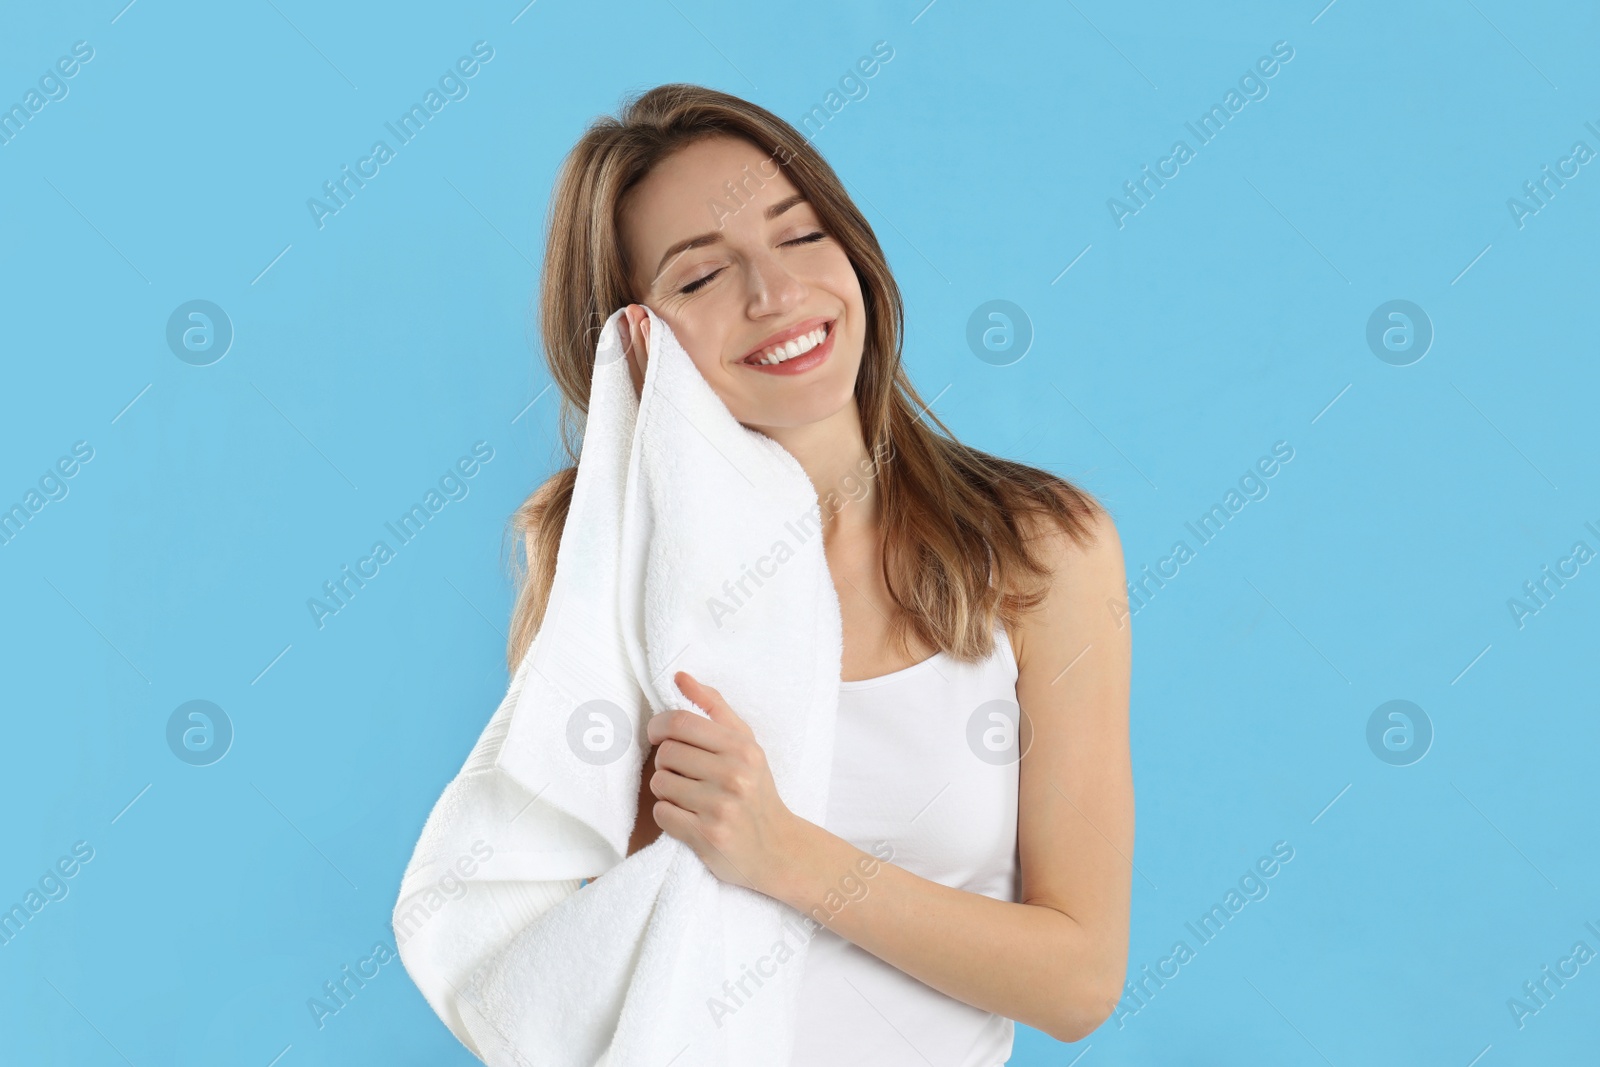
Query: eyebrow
[{"x": 714, "y": 236}]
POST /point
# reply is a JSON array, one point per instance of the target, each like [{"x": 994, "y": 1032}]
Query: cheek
[
  {"x": 724, "y": 380},
  {"x": 741, "y": 391},
  {"x": 707, "y": 359},
  {"x": 695, "y": 331},
  {"x": 839, "y": 277}
]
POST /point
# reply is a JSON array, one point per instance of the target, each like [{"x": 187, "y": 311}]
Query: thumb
[{"x": 707, "y": 697}]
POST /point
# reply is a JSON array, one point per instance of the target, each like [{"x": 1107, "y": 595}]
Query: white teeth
[{"x": 795, "y": 347}]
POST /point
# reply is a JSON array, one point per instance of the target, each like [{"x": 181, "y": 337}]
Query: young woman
[{"x": 982, "y": 746}]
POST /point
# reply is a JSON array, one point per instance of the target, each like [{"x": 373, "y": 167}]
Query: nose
[{"x": 773, "y": 289}]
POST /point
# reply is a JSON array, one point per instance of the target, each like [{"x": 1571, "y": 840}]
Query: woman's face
[{"x": 757, "y": 274}]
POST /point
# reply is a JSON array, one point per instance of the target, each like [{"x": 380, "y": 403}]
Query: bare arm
[{"x": 1057, "y": 959}]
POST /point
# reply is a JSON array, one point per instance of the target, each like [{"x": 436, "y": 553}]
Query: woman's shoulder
[
  {"x": 1090, "y": 534},
  {"x": 1086, "y": 576}
]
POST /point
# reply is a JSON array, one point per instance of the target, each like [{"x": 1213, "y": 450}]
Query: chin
[
  {"x": 801, "y": 411},
  {"x": 795, "y": 402}
]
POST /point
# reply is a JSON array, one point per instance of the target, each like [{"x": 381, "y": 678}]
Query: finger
[
  {"x": 639, "y": 331},
  {"x": 684, "y": 825},
  {"x": 710, "y": 699},
  {"x": 689, "y": 794},
  {"x": 682, "y": 724},
  {"x": 673, "y": 820},
  {"x": 698, "y": 691},
  {"x": 635, "y": 346},
  {"x": 691, "y": 761}
]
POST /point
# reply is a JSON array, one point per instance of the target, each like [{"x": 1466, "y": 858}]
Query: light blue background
[{"x": 1228, "y": 314}]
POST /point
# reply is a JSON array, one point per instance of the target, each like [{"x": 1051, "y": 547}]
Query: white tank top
[{"x": 924, "y": 759}]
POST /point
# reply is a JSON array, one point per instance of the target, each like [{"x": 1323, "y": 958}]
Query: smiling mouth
[{"x": 791, "y": 349}]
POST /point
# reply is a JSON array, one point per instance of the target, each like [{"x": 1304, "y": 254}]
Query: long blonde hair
[{"x": 947, "y": 509}]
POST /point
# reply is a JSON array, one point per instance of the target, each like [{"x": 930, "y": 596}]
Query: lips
[
  {"x": 801, "y": 364},
  {"x": 798, "y": 330}
]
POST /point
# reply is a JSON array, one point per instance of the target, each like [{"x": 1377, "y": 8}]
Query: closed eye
[{"x": 696, "y": 286}]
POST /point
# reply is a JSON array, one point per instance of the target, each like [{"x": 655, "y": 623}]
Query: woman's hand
[
  {"x": 716, "y": 791},
  {"x": 637, "y": 345}
]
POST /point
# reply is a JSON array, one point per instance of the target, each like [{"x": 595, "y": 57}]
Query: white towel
[{"x": 693, "y": 543}]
